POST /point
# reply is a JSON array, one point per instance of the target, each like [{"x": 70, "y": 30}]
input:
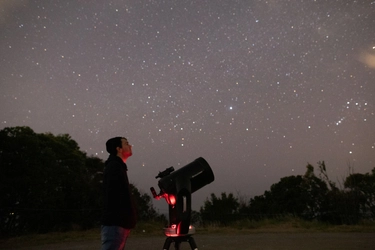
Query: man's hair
[{"x": 113, "y": 143}]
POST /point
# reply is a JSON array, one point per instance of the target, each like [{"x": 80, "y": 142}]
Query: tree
[
  {"x": 145, "y": 208},
  {"x": 223, "y": 210},
  {"x": 341, "y": 206},
  {"x": 301, "y": 196},
  {"x": 47, "y": 183},
  {"x": 312, "y": 197},
  {"x": 362, "y": 187},
  {"x": 43, "y": 183}
]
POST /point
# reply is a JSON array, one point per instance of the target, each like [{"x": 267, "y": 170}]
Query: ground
[{"x": 251, "y": 241}]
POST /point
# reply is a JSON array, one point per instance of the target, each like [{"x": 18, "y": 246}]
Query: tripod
[
  {"x": 176, "y": 187},
  {"x": 177, "y": 241}
]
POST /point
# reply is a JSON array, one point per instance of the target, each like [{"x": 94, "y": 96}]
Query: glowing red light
[
  {"x": 171, "y": 199},
  {"x": 174, "y": 230}
]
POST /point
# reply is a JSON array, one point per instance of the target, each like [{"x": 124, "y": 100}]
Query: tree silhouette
[
  {"x": 47, "y": 183},
  {"x": 222, "y": 210},
  {"x": 363, "y": 188}
]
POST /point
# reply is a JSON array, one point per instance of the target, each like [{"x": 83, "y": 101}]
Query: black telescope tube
[{"x": 198, "y": 172}]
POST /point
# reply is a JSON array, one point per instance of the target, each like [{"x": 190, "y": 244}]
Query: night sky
[{"x": 257, "y": 88}]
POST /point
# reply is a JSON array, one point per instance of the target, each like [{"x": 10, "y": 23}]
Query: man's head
[{"x": 119, "y": 146}]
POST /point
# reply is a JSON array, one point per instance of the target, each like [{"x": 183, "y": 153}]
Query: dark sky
[{"x": 257, "y": 88}]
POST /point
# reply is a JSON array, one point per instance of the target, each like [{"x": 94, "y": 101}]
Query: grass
[
  {"x": 154, "y": 229},
  {"x": 287, "y": 225}
]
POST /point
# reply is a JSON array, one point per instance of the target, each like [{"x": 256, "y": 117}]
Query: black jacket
[{"x": 118, "y": 206}]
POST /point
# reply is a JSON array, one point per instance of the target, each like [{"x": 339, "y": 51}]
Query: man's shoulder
[
  {"x": 113, "y": 159},
  {"x": 114, "y": 162}
]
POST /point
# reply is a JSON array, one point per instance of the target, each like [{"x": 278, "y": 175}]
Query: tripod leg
[
  {"x": 167, "y": 243},
  {"x": 192, "y": 243},
  {"x": 177, "y": 244}
]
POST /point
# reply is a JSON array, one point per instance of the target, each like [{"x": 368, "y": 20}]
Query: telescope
[{"x": 176, "y": 187}]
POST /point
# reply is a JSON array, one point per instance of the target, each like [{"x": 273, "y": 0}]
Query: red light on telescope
[{"x": 171, "y": 199}]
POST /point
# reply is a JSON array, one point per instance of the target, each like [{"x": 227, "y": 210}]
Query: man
[{"x": 119, "y": 213}]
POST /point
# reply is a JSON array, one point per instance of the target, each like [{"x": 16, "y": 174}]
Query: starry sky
[{"x": 257, "y": 88}]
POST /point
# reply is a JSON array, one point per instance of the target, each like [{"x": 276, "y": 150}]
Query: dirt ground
[{"x": 264, "y": 241}]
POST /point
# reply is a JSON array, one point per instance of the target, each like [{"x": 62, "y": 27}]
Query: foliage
[
  {"x": 301, "y": 196},
  {"x": 362, "y": 187},
  {"x": 221, "y": 210},
  {"x": 48, "y": 184},
  {"x": 307, "y": 197},
  {"x": 310, "y": 197},
  {"x": 145, "y": 208}
]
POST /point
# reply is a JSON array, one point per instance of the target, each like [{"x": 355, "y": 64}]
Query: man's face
[{"x": 126, "y": 149}]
